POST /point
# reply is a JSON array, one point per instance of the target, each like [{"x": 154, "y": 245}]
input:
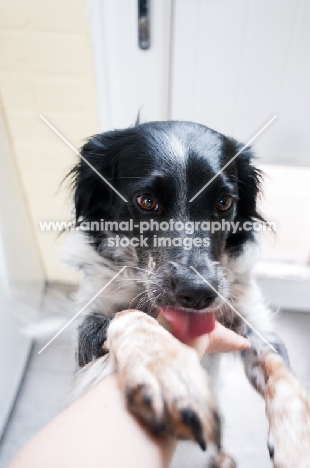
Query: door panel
[{"x": 237, "y": 63}]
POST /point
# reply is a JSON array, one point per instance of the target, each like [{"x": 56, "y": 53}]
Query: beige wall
[{"x": 46, "y": 66}]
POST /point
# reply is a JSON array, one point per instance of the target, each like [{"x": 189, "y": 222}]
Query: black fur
[{"x": 92, "y": 335}]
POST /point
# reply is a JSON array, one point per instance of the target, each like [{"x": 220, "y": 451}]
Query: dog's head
[{"x": 159, "y": 167}]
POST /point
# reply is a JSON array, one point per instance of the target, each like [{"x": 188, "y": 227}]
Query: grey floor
[{"x": 48, "y": 377}]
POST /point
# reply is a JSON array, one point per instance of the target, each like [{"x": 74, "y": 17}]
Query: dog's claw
[
  {"x": 147, "y": 399},
  {"x": 202, "y": 445},
  {"x": 271, "y": 451},
  {"x": 190, "y": 418}
]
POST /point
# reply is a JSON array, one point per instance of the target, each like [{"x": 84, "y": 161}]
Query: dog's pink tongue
[{"x": 188, "y": 325}]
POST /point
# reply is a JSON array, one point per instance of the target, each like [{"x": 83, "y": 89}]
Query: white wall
[{"x": 46, "y": 65}]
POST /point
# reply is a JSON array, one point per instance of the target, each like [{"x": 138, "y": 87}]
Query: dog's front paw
[
  {"x": 288, "y": 412},
  {"x": 165, "y": 385}
]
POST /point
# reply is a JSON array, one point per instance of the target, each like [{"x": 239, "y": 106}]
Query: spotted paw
[
  {"x": 287, "y": 409},
  {"x": 165, "y": 386}
]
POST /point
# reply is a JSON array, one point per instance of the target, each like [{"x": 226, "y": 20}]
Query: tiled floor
[{"x": 47, "y": 381}]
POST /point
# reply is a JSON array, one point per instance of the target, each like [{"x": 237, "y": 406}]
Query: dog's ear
[
  {"x": 93, "y": 197},
  {"x": 249, "y": 190},
  {"x": 249, "y": 185}
]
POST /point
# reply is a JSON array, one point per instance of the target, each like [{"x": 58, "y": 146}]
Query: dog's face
[{"x": 159, "y": 167}]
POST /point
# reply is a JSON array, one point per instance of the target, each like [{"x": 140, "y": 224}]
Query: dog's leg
[
  {"x": 287, "y": 407},
  {"x": 93, "y": 359},
  {"x": 269, "y": 372},
  {"x": 92, "y": 334},
  {"x": 163, "y": 380}
]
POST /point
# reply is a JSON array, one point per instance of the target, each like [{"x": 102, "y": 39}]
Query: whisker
[
  {"x": 143, "y": 269},
  {"x": 135, "y": 281},
  {"x": 155, "y": 299},
  {"x": 143, "y": 292},
  {"x": 143, "y": 301}
]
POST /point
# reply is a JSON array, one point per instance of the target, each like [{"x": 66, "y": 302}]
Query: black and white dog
[{"x": 191, "y": 275}]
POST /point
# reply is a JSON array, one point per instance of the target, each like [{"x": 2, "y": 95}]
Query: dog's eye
[
  {"x": 224, "y": 203},
  {"x": 147, "y": 202}
]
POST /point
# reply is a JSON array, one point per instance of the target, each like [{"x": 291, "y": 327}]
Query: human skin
[{"x": 97, "y": 431}]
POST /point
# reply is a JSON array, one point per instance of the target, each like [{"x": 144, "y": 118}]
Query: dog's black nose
[{"x": 194, "y": 296}]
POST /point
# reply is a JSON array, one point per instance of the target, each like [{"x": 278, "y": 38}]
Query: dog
[{"x": 148, "y": 178}]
